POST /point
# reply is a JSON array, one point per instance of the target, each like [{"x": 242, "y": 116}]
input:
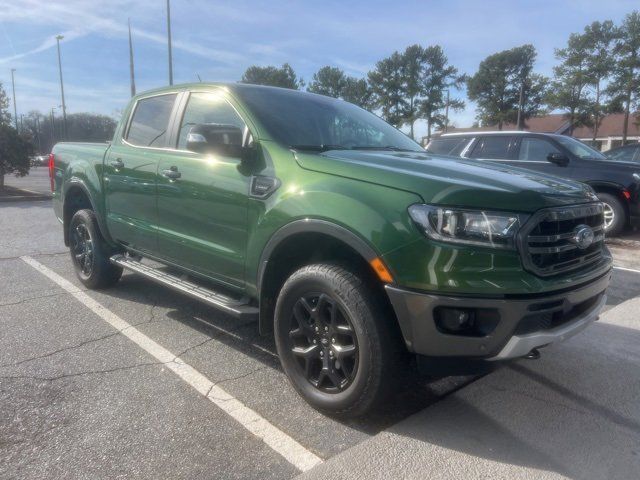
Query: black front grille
[{"x": 548, "y": 240}]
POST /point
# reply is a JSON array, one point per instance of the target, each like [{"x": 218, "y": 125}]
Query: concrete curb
[{"x": 22, "y": 195}]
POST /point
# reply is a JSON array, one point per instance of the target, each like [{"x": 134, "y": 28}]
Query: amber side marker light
[{"x": 381, "y": 270}]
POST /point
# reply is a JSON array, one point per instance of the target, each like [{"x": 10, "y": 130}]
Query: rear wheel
[
  {"x": 334, "y": 341},
  {"x": 615, "y": 216},
  {"x": 90, "y": 253}
]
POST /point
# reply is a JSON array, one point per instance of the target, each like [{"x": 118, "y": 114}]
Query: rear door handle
[
  {"x": 117, "y": 164},
  {"x": 172, "y": 173}
]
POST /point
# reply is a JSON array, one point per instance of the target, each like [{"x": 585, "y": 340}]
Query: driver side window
[{"x": 212, "y": 109}]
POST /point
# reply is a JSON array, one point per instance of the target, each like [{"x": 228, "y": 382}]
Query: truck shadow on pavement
[
  {"x": 574, "y": 412},
  {"x": 416, "y": 392}
]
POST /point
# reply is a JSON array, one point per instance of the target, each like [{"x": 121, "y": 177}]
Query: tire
[
  {"x": 614, "y": 207},
  {"x": 90, "y": 253},
  {"x": 341, "y": 382}
]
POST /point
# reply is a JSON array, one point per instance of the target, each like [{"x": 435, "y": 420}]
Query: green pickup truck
[{"x": 338, "y": 234}]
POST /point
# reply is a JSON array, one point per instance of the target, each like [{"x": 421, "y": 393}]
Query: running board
[{"x": 237, "y": 308}]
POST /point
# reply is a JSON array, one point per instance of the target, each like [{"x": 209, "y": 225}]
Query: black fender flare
[
  {"x": 605, "y": 184},
  {"x": 77, "y": 183},
  {"x": 308, "y": 225}
]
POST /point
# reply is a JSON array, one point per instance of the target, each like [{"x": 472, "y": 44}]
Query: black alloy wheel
[
  {"x": 82, "y": 249},
  {"x": 323, "y": 340}
]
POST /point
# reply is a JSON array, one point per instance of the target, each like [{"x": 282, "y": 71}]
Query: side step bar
[{"x": 234, "y": 307}]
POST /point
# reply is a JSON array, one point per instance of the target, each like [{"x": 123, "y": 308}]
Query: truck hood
[{"x": 451, "y": 181}]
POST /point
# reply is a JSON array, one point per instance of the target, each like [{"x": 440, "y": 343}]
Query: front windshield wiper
[
  {"x": 323, "y": 147},
  {"x": 383, "y": 147}
]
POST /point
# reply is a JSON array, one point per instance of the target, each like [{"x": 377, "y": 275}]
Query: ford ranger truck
[{"x": 337, "y": 233}]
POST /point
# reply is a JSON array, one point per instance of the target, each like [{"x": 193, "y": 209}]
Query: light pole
[
  {"x": 169, "y": 42},
  {"x": 15, "y": 108},
  {"x": 131, "y": 70},
  {"x": 64, "y": 107}
]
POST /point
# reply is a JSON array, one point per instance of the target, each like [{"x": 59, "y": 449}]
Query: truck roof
[
  {"x": 488, "y": 132},
  {"x": 233, "y": 86}
]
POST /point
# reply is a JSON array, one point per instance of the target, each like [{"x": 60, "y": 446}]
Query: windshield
[
  {"x": 579, "y": 149},
  {"x": 316, "y": 122}
]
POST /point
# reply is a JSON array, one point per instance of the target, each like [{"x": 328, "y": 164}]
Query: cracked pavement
[{"x": 80, "y": 400}]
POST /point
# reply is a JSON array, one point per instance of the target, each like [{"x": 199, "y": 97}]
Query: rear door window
[
  {"x": 447, "y": 145},
  {"x": 150, "y": 121},
  {"x": 536, "y": 149},
  {"x": 495, "y": 147}
]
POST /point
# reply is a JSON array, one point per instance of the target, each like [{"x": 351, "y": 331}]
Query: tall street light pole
[
  {"x": 15, "y": 108},
  {"x": 64, "y": 107},
  {"x": 131, "y": 69},
  {"x": 169, "y": 42}
]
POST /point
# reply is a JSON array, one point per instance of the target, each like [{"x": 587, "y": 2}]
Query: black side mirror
[
  {"x": 217, "y": 138},
  {"x": 558, "y": 158}
]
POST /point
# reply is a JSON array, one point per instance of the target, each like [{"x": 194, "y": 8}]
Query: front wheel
[
  {"x": 615, "y": 216},
  {"x": 334, "y": 341}
]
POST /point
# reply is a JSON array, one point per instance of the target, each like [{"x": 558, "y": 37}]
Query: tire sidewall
[{"x": 298, "y": 285}]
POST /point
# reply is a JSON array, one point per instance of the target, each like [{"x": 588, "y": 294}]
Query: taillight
[{"x": 51, "y": 168}]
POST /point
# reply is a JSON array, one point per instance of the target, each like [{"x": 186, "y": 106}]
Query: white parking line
[
  {"x": 280, "y": 442},
  {"x": 626, "y": 269}
]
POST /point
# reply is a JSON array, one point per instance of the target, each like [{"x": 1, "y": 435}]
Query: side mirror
[
  {"x": 558, "y": 158},
  {"x": 221, "y": 139}
]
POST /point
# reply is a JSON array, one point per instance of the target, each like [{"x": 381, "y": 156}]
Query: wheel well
[
  {"x": 303, "y": 249},
  {"x": 75, "y": 199},
  {"x": 616, "y": 192}
]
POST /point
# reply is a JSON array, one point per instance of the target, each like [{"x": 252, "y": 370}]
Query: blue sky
[{"x": 219, "y": 39}]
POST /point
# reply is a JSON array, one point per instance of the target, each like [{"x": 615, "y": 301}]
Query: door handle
[
  {"x": 117, "y": 164},
  {"x": 172, "y": 173}
]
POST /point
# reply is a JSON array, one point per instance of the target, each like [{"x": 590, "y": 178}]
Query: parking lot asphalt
[{"x": 82, "y": 399}]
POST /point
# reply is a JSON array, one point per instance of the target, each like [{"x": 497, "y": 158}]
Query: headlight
[{"x": 468, "y": 227}]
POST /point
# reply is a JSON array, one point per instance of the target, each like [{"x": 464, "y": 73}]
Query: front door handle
[
  {"x": 172, "y": 173},
  {"x": 117, "y": 164}
]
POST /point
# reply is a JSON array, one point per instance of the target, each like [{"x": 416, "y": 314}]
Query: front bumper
[{"x": 524, "y": 322}]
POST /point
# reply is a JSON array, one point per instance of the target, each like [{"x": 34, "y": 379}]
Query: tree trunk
[
  {"x": 412, "y": 120},
  {"x": 596, "y": 120},
  {"x": 572, "y": 119},
  {"x": 1, "y": 181},
  {"x": 627, "y": 107},
  {"x": 625, "y": 125},
  {"x": 428, "y": 130}
]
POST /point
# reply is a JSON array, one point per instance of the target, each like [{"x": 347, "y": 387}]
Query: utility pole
[
  {"x": 53, "y": 129},
  {"x": 64, "y": 106},
  {"x": 169, "y": 42},
  {"x": 131, "y": 70},
  {"x": 15, "y": 108},
  {"x": 446, "y": 114}
]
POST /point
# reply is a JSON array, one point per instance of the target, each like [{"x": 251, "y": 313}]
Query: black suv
[
  {"x": 616, "y": 183},
  {"x": 627, "y": 153}
]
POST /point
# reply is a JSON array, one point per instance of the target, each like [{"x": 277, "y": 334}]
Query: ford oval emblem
[{"x": 583, "y": 236}]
